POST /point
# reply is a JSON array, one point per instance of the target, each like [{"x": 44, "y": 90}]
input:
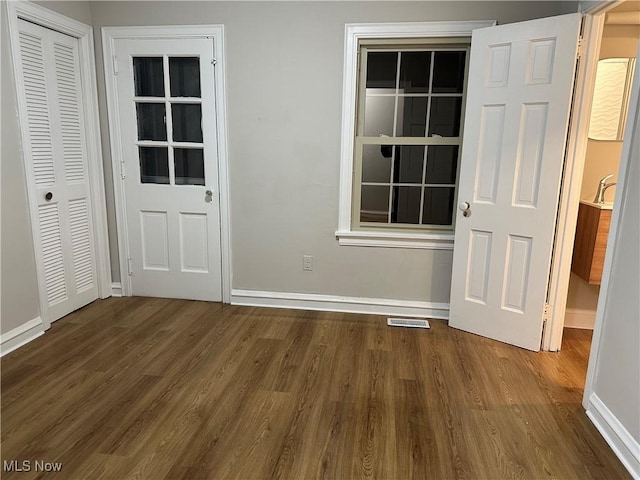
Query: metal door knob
[
  {"x": 48, "y": 196},
  {"x": 464, "y": 206},
  {"x": 208, "y": 195}
]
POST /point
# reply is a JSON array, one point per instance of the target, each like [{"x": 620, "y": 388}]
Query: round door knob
[
  {"x": 464, "y": 206},
  {"x": 48, "y": 196}
]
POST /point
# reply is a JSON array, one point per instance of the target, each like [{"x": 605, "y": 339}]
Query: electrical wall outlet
[{"x": 307, "y": 263}]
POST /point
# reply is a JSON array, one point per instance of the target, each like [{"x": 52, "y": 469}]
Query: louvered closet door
[{"x": 57, "y": 161}]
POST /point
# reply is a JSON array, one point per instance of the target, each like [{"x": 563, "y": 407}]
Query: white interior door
[
  {"x": 519, "y": 98},
  {"x": 166, "y": 108},
  {"x": 55, "y": 148}
]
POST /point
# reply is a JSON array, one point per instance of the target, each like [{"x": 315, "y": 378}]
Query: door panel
[
  {"x": 169, "y": 149},
  {"x": 57, "y": 164},
  {"x": 521, "y": 80}
]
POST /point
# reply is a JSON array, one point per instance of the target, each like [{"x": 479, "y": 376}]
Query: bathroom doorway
[{"x": 616, "y": 59}]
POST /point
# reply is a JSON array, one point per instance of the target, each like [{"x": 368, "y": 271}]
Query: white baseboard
[
  {"x": 578, "y": 318},
  {"x": 116, "y": 289},
  {"x": 21, "y": 335},
  {"x": 626, "y": 448},
  {"x": 334, "y": 303}
]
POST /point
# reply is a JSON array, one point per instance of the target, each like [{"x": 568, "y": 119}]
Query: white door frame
[
  {"x": 84, "y": 34},
  {"x": 216, "y": 32},
  {"x": 574, "y": 169}
]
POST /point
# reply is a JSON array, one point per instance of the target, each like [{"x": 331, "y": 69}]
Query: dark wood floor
[{"x": 155, "y": 388}]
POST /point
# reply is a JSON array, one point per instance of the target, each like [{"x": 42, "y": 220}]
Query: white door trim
[
  {"x": 84, "y": 34},
  {"x": 216, "y": 32}
]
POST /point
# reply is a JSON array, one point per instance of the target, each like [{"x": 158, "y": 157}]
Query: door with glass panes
[{"x": 166, "y": 110}]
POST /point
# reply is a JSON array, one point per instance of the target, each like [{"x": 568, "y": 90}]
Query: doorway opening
[{"x": 616, "y": 59}]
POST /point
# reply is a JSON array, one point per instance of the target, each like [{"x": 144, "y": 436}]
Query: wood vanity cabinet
[{"x": 590, "y": 244}]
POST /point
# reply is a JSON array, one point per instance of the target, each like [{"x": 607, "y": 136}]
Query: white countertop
[{"x": 601, "y": 206}]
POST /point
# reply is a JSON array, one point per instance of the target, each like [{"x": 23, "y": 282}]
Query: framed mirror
[{"x": 611, "y": 98}]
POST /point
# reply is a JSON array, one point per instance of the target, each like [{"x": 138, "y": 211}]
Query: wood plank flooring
[{"x": 155, "y": 388}]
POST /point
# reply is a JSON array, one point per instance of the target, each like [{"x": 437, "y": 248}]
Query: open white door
[{"x": 519, "y": 97}]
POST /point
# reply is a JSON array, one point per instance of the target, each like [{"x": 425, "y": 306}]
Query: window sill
[{"x": 425, "y": 241}]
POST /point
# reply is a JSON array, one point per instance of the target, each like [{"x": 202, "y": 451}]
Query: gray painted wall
[
  {"x": 19, "y": 296},
  {"x": 617, "y": 381},
  {"x": 284, "y": 78}
]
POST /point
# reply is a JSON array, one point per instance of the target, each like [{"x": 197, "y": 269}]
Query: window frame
[{"x": 354, "y": 34}]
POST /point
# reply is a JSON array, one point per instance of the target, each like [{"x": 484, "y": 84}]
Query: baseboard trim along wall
[
  {"x": 626, "y": 448},
  {"x": 334, "y": 303},
  {"x": 116, "y": 289},
  {"x": 21, "y": 335},
  {"x": 578, "y": 318}
]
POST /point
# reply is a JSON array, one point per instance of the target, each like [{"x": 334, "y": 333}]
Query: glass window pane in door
[
  {"x": 154, "y": 165},
  {"x": 189, "y": 165},
  {"x": 151, "y": 121},
  {"x": 444, "y": 119},
  {"x": 187, "y": 122},
  {"x": 438, "y": 206},
  {"x": 374, "y": 203},
  {"x": 148, "y": 76},
  {"x": 184, "y": 76}
]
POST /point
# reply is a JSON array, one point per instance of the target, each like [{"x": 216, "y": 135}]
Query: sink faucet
[{"x": 602, "y": 187}]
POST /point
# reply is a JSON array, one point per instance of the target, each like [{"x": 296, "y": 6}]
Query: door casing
[
  {"x": 84, "y": 35},
  {"x": 216, "y": 32}
]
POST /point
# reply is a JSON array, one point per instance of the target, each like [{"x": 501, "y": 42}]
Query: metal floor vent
[{"x": 407, "y": 322}]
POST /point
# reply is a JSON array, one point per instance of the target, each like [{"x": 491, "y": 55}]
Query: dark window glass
[
  {"x": 374, "y": 203},
  {"x": 445, "y": 116},
  {"x": 189, "y": 163},
  {"x": 412, "y": 116},
  {"x": 407, "y": 167},
  {"x": 406, "y": 205},
  {"x": 151, "y": 121},
  {"x": 414, "y": 72},
  {"x": 184, "y": 75},
  {"x": 148, "y": 76},
  {"x": 438, "y": 205},
  {"x": 187, "y": 122},
  {"x": 382, "y": 69},
  {"x": 442, "y": 164},
  {"x": 448, "y": 72},
  {"x": 376, "y": 163},
  {"x": 154, "y": 165},
  {"x": 378, "y": 116}
]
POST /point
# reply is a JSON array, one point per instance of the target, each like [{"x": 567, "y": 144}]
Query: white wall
[
  {"x": 284, "y": 95},
  {"x": 19, "y": 302},
  {"x": 614, "y": 365}
]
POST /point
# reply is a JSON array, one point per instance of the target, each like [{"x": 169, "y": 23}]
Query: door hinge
[
  {"x": 580, "y": 51},
  {"x": 123, "y": 174},
  {"x": 547, "y": 312},
  {"x": 214, "y": 61},
  {"x": 115, "y": 65},
  {"x": 130, "y": 264}
]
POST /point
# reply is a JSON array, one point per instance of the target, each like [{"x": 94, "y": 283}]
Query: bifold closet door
[{"x": 55, "y": 148}]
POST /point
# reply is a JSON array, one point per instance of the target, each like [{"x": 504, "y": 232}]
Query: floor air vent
[{"x": 407, "y": 322}]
